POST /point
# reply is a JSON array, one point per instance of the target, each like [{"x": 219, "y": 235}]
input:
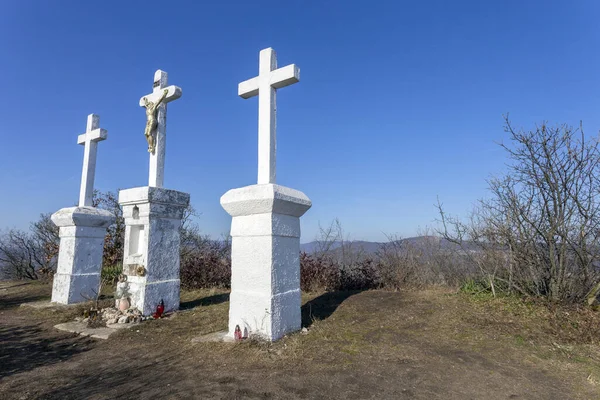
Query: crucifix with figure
[
  {"x": 153, "y": 215},
  {"x": 93, "y": 134},
  {"x": 265, "y": 85},
  {"x": 155, "y": 104}
]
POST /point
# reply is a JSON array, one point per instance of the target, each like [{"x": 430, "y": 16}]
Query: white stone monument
[
  {"x": 82, "y": 231},
  {"x": 265, "y": 229},
  {"x": 153, "y": 215}
]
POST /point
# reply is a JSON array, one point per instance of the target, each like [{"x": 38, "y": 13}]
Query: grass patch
[{"x": 359, "y": 344}]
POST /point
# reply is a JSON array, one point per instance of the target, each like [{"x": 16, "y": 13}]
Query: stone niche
[{"x": 151, "y": 254}]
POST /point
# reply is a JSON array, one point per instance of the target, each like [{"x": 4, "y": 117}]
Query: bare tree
[
  {"x": 20, "y": 255},
  {"x": 334, "y": 243},
  {"x": 45, "y": 236},
  {"x": 27, "y": 255},
  {"x": 421, "y": 261},
  {"x": 189, "y": 233},
  {"x": 115, "y": 233},
  {"x": 539, "y": 231},
  {"x": 329, "y": 238}
]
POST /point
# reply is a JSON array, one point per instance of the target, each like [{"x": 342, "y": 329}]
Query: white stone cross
[
  {"x": 93, "y": 134},
  {"x": 264, "y": 85},
  {"x": 157, "y": 159}
]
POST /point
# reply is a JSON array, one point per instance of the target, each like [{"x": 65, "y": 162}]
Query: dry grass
[{"x": 425, "y": 344}]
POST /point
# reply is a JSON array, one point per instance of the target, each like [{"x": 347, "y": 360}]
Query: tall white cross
[
  {"x": 156, "y": 173},
  {"x": 265, "y": 85},
  {"x": 93, "y": 134}
]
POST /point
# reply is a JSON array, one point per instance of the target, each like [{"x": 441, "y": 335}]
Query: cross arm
[
  {"x": 279, "y": 78},
  {"x": 248, "y": 88},
  {"x": 95, "y": 135},
  {"x": 173, "y": 93},
  {"x": 285, "y": 76}
]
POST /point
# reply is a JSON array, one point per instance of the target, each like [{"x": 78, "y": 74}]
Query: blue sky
[{"x": 399, "y": 102}]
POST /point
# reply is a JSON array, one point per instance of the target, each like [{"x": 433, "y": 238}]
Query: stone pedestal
[
  {"x": 82, "y": 231},
  {"x": 265, "y": 257},
  {"x": 151, "y": 257}
]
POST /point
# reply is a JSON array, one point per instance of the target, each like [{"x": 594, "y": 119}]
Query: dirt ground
[{"x": 428, "y": 344}]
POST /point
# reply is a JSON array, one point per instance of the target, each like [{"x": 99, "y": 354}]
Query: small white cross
[
  {"x": 264, "y": 85},
  {"x": 157, "y": 160},
  {"x": 93, "y": 134}
]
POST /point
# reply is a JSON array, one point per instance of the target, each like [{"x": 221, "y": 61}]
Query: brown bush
[
  {"x": 364, "y": 274},
  {"x": 324, "y": 272},
  {"x": 207, "y": 264},
  {"x": 317, "y": 273}
]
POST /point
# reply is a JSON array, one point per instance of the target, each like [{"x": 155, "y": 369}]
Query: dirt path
[{"x": 410, "y": 345}]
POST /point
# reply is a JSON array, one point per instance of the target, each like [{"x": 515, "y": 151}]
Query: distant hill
[
  {"x": 372, "y": 247},
  {"x": 367, "y": 247}
]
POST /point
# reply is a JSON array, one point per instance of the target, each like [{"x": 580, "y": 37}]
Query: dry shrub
[
  {"x": 574, "y": 324},
  {"x": 206, "y": 265},
  {"x": 317, "y": 273},
  {"x": 324, "y": 272},
  {"x": 361, "y": 275}
]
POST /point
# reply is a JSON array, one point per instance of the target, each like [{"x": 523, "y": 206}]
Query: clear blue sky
[{"x": 399, "y": 102}]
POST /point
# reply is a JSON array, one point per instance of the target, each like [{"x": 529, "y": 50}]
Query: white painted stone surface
[
  {"x": 82, "y": 231},
  {"x": 265, "y": 229},
  {"x": 93, "y": 134},
  {"x": 265, "y": 280},
  {"x": 264, "y": 86},
  {"x": 156, "y": 174},
  {"x": 152, "y": 220}
]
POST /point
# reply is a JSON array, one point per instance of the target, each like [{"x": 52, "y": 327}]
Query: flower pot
[{"x": 124, "y": 304}]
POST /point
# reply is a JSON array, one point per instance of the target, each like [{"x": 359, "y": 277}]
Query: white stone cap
[
  {"x": 151, "y": 194},
  {"x": 83, "y": 216},
  {"x": 265, "y": 198}
]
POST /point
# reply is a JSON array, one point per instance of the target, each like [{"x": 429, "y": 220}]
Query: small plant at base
[
  {"x": 474, "y": 287},
  {"x": 110, "y": 274}
]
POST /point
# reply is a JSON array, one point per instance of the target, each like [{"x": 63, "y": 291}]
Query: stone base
[
  {"x": 118, "y": 327},
  {"x": 98, "y": 333},
  {"x": 270, "y": 317},
  {"x": 265, "y": 258},
  {"x": 70, "y": 288},
  {"x": 147, "y": 295},
  {"x": 152, "y": 221},
  {"x": 82, "y": 231},
  {"x": 46, "y": 305}
]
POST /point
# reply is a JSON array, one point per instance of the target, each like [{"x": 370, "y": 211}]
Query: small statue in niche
[{"x": 122, "y": 293}]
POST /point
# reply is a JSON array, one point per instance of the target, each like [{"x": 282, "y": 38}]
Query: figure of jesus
[{"x": 151, "y": 122}]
